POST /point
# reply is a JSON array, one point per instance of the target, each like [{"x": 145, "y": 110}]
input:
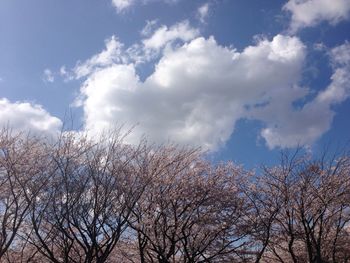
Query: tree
[
  {"x": 191, "y": 211},
  {"x": 313, "y": 217},
  {"x": 22, "y": 163},
  {"x": 83, "y": 212},
  {"x": 80, "y": 200}
]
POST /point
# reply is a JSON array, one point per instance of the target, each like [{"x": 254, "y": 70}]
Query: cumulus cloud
[
  {"x": 24, "y": 116},
  {"x": 199, "y": 89},
  {"x": 306, "y": 13},
  {"x": 203, "y": 12},
  {"x": 303, "y": 126},
  {"x": 48, "y": 76}
]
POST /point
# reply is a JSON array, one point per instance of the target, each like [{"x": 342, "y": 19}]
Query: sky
[{"x": 243, "y": 79}]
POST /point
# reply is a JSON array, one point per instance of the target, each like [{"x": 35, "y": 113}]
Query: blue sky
[{"x": 241, "y": 78}]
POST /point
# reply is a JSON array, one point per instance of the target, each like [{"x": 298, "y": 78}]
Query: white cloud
[
  {"x": 203, "y": 12},
  {"x": 48, "y": 76},
  {"x": 154, "y": 42},
  {"x": 24, "y": 116},
  {"x": 304, "y": 126},
  {"x": 306, "y": 13},
  {"x": 63, "y": 71},
  {"x": 340, "y": 55},
  {"x": 339, "y": 89},
  {"x": 112, "y": 54},
  {"x": 66, "y": 74},
  {"x": 199, "y": 89},
  {"x": 164, "y": 35},
  {"x": 197, "y": 92},
  {"x": 149, "y": 27},
  {"x": 122, "y": 5}
]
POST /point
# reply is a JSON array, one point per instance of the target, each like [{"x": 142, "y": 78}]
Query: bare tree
[
  {"x": 313, "y": 217},
  {"x": 84, "y": 210},
  {"x": 191, "y": 211},
  {"x": 21, "y": 165},
  {"x": 264, "y": 206},
  {"x": 80, "y": 200}
]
